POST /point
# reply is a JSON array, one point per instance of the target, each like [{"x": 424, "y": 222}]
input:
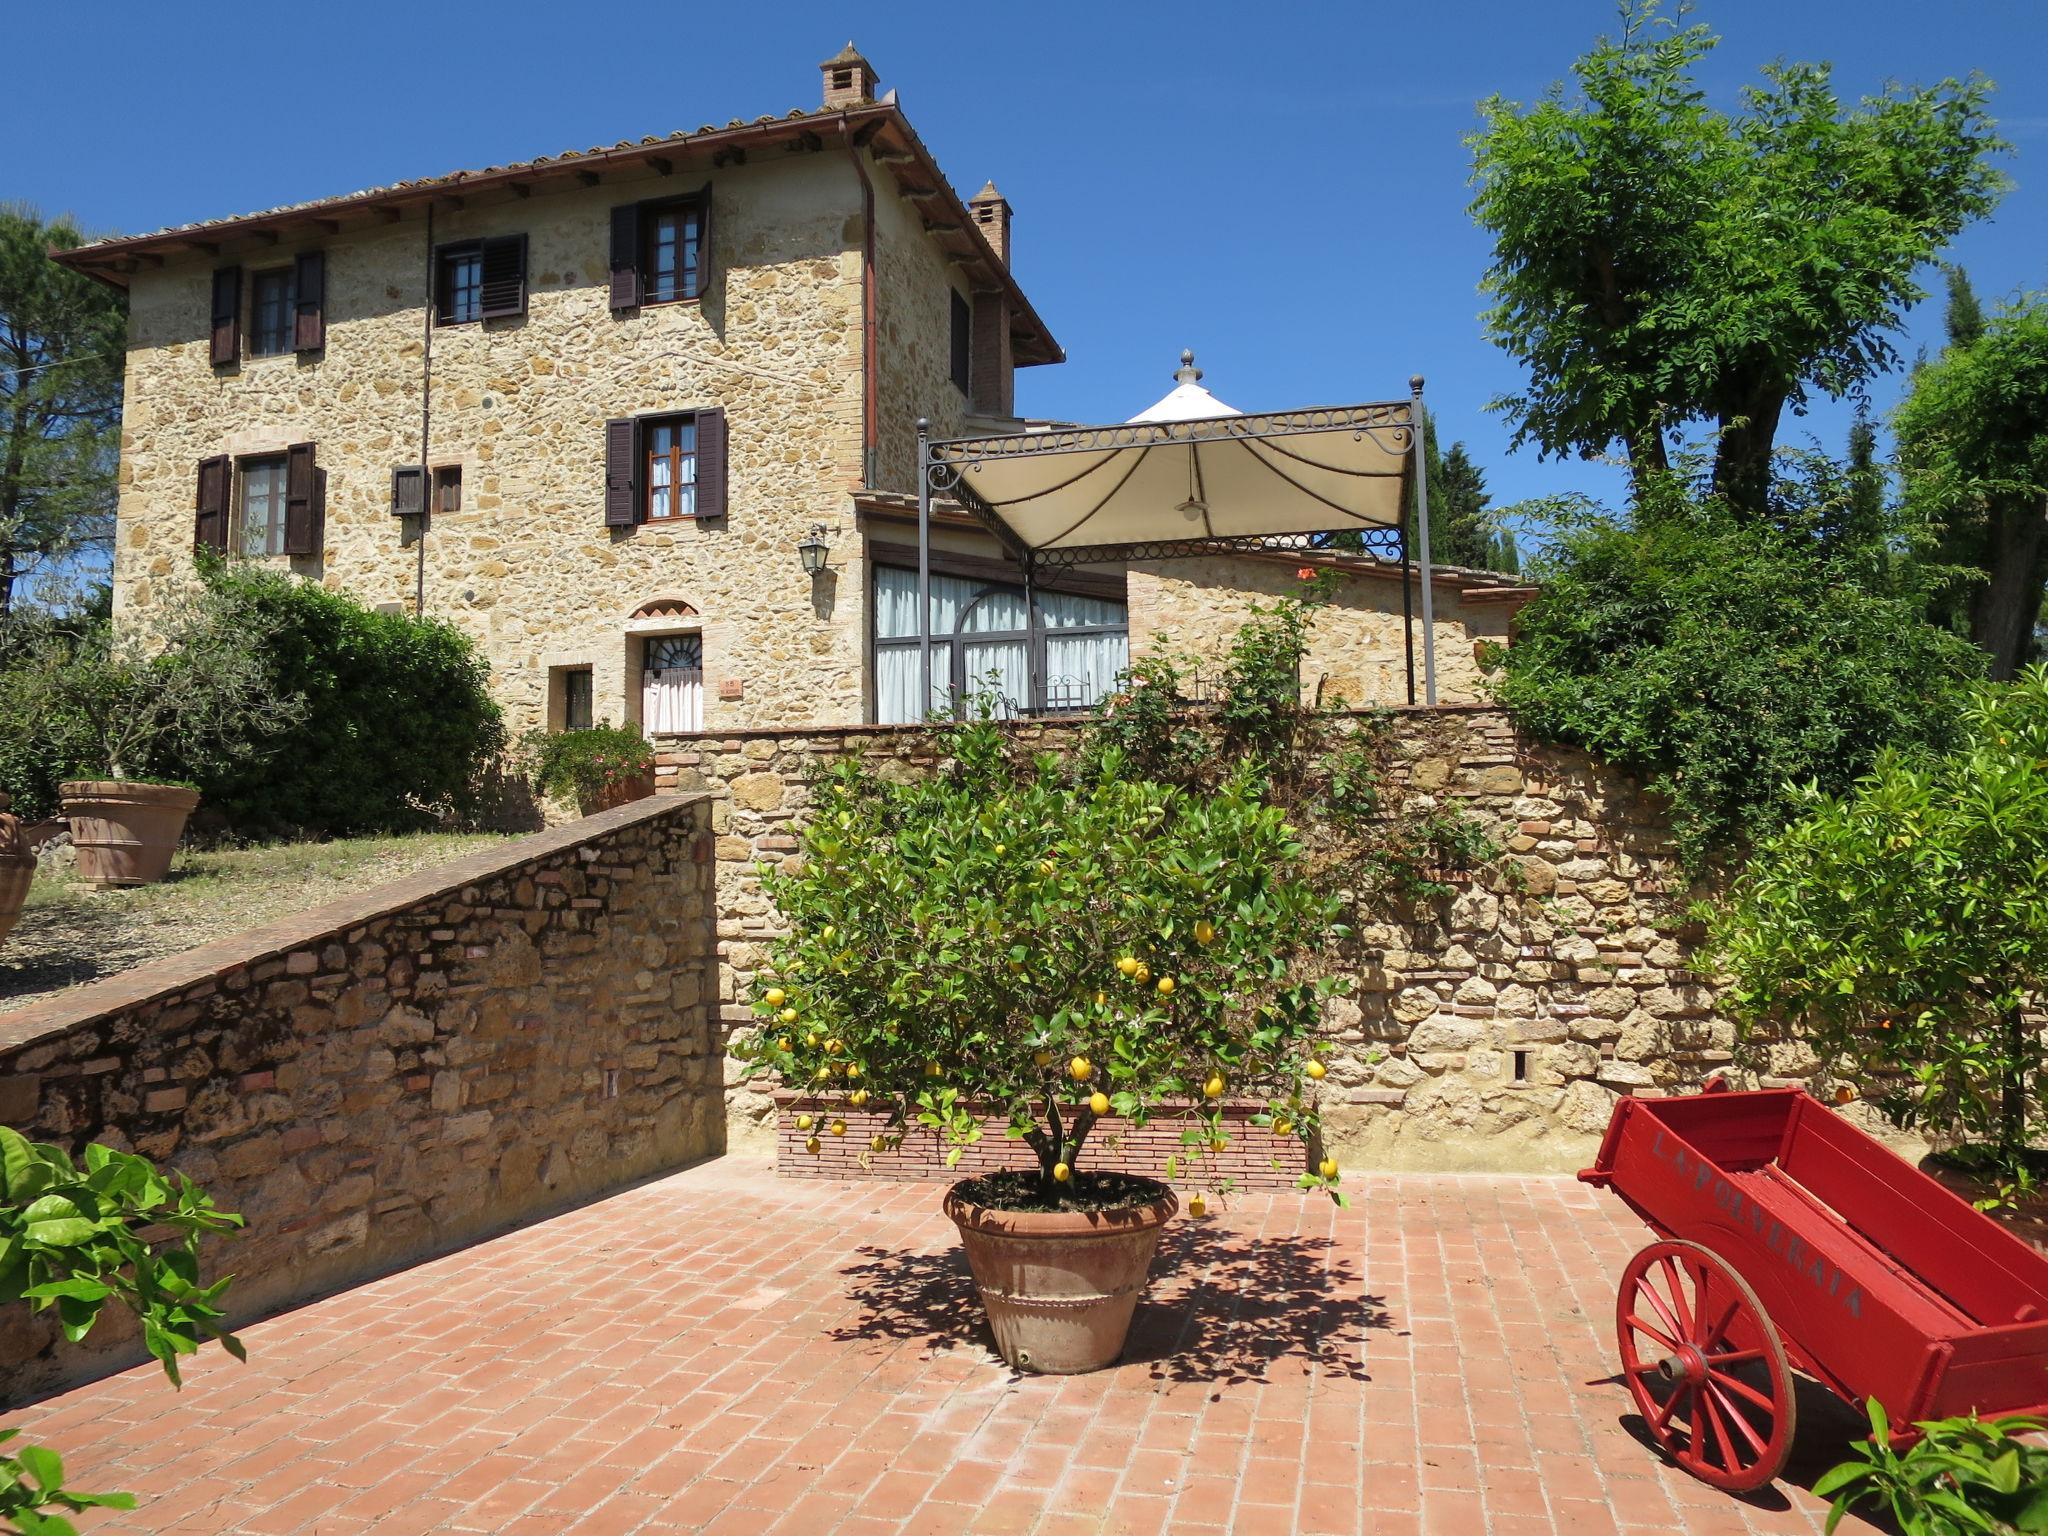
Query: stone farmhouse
[{"x": 605, "y": 410}]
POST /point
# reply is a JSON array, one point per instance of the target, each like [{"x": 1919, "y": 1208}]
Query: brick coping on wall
[
  {"x": 160, "y": 978},
  {"x": 1072, "y": 721}
]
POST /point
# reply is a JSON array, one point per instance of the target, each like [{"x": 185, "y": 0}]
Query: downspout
[
  {"x": 867, "y": 309},
  {"x": 419, "y": 541}
]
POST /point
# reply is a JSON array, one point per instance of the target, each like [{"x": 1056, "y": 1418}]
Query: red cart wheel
[{"x": 1705, "y": 1366}]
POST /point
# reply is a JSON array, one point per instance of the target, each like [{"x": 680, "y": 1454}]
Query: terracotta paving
[{"x": 723, "y": 1352}]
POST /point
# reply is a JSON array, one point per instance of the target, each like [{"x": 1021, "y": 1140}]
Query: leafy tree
[
  {"x": 1659, "y": 262},
  {"x": 1901, "y": 927},
  {"x": 1727, "y": 658},
  {"x": 1973, "y": 457},
  {"x": 1463, "y": 528},
  {"x": 61, "y": 338},
  {"x": 1963, "y": 318}
]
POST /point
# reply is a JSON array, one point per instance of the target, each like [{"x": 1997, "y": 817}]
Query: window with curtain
[{"x": 983, "y": 643}]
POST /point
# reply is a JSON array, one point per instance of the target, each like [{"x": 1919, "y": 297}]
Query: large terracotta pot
[
  {"x": 620, "y": 792},
  {"x": 17, "y": 868},
  {"x": 1060, "y": 1286},
  {"x": 125, "y": 832}
]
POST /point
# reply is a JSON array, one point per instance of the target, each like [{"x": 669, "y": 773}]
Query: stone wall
[
  {"x": 401, "y": 1071},
  {"x": 1492, "y": 1029}
]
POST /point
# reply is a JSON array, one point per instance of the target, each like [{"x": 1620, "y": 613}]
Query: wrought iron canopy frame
[{"x": 945, "y": 467}]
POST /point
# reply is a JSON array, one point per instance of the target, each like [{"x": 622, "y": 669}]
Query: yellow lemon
[
  {"x": 1142, "y": 974},
  {"x": 1041, "y": 1058},
  {"x": 788, "y": 1015},
  {"x": 1101, "y": 998},
  {"x": 834, "y": 1047},
  {"x": 853, "y": 1069},
  {"x": 1318, "y": 1071},
  {"x": 1329, "y": 1169},
  {"x": 999, "y": 848},
  {"x": 811, "y": 1144},
  {"x": 782, "y": 1042},
  {"x": 1213, "y": 1089},
  {"x": 858, "y": 1097},
  {"x": 1205, "y": 933},
  {"x": 1282, "y": 1127},
  {"x": 1099, "y": 1102},
  {"x": 827, "y": 933},
  {"x": 838, "y": 1127},
  {"x": 1062, "y": 1172},
  {"x": 877, "y": 1144},
  {"x": 803, "y": 1122},
  {"x": 1198, "y": 1206},
  {"x": 1128, "y": 965},
  {"x": 1166, "y": 986},
  {"x": 1080, "y": 1069},
  {"x": 775, "y": 997},
  {"x": 822, "y": 1073},
  {"x": 931, "y": 1069},
  {"x": 1045, "y": 866},
  {"x": 811, "y": 1039}
]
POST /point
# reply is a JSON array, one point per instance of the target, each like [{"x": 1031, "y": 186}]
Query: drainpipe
[
  {"x": 867, "y": 308},
  {"x": 419, "y": 542}
]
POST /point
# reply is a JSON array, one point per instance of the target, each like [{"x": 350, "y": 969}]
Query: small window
[
  {"x": 273, "y": 305},
  {"x": 963, "y": 346},
  {"x": 459, "y": 284},
  {"x": 671, "y": 467},
  {"x": 262, "y": 507},
  {"x": 448, "y": 488},
  {"x": 670, "y": 265},
  {"x": 576, "y": 700}
]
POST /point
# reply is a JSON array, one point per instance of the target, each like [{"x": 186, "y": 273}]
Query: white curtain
[
  {"x": 1081, "y": 670},
  {"x": 896, "y": 682},
  {"x": 672, "y": 684},
  {"x": 896, "y": 603},
  {"x": 1001, "y": 668}
]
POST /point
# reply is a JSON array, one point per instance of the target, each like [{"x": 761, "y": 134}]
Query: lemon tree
[{"x": 1019, "y": 940}]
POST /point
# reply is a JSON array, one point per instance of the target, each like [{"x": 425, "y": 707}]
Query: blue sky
[{"x": 1282, "y": 188}]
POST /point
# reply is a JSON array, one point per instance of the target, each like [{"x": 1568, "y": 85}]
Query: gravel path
[{"x": 71, "y": 934}]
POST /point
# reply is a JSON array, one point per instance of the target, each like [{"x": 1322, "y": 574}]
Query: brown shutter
[
  {"x": 626, "y": 256},
  {"x": 303, "y": 501},
  {"x": 703, "y": 242},
  {"x": 210, "y": 525},
  {"x": 621, "y": 472},
  {"x": 309, "y": 283},
  {"x": 227, "y": 316},
  {"x": 408, "y": 490},
  {"x": 504, "y": 276},
  {"x": 711, "y": 463}
]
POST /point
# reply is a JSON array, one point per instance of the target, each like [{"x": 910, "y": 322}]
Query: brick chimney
[
  {"x": 992, "y": 217},
  {"x": 849, "y": 79}
]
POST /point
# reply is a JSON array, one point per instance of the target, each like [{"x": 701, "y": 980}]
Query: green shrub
[
  {"x": 1964, "y": 1477},
  {"x": 398, "y": 730},
  {"x": 1004, "y": 935},
  {"x": 585, "y": 765},
  {"x": 1901, "y": 928},
  {"x": 1726, "y": 660}
]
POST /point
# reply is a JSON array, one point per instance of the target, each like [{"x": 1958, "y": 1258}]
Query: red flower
[{"x": 1305, "y": 573}]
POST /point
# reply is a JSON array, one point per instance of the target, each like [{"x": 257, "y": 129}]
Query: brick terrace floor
[{"x": 722, "y": 1351}]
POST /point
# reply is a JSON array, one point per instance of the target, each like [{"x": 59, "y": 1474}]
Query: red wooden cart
[{"x": 1788, "y": 1238}]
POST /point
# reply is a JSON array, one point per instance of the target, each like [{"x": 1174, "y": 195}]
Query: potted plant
[
  {"x": 1039, "y": 948},
  {"x": 17, "y": 867},
  {"x": 141, "y": 711},
  {"x": 598, "y": 768}
]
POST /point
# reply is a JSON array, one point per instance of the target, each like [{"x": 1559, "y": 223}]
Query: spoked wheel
[{"x": 1705, "y": 1366}]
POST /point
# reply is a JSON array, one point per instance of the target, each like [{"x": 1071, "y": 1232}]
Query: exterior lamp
[{"x": 811, "y": 550}]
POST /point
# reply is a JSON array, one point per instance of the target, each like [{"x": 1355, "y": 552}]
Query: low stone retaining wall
[
  {"x": 1252, "y": 1158},
  {"x": 1491, "y": 1029},
  {"x": 401, "y": 1071}
]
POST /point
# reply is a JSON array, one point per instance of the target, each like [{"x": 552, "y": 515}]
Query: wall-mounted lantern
[{"x": 811, "y": 550}]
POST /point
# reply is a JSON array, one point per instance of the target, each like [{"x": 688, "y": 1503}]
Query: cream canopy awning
[{"x": 1187, "y": 470}]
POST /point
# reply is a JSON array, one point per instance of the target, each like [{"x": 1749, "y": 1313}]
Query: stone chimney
[
  {"x": 849, "y": 79},
  {"x": 992, "y": 217}
]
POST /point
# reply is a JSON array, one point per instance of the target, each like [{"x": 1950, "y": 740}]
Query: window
[
  {"x": 672, "y": 684},
  {"x": 576, "y": 699},
  {"x": 982, "y": 642},
  {"x": 262, "y": 508},
  {"x": 459, "y": 285},
  {"x": 963, "y": 345},
  {"x": 670, "y": 265},
  {"x": 671, "y": 467},
  {"x": 273, "y": 306},
  {"x": 448, "y": 488}
]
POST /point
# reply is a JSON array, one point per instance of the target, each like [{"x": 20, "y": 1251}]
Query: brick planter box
[{"x": 1255, "y": 1158}]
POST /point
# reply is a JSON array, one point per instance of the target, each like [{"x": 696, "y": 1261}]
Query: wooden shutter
[
  {"x": 227, "y": 316},
  {"x": 626, "y": 256},
  {"x": 210, "y": 523},
  {"x": 504, "y": 276},
  {"x": 703, "y": 242},
  {"x": 711, "y": 463},
  {"x": 304, "y": 501},
  {"x": 621, "y": 472},
  {"x": 309, "y": 283},
  {"x": 408, "y": 490}
]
